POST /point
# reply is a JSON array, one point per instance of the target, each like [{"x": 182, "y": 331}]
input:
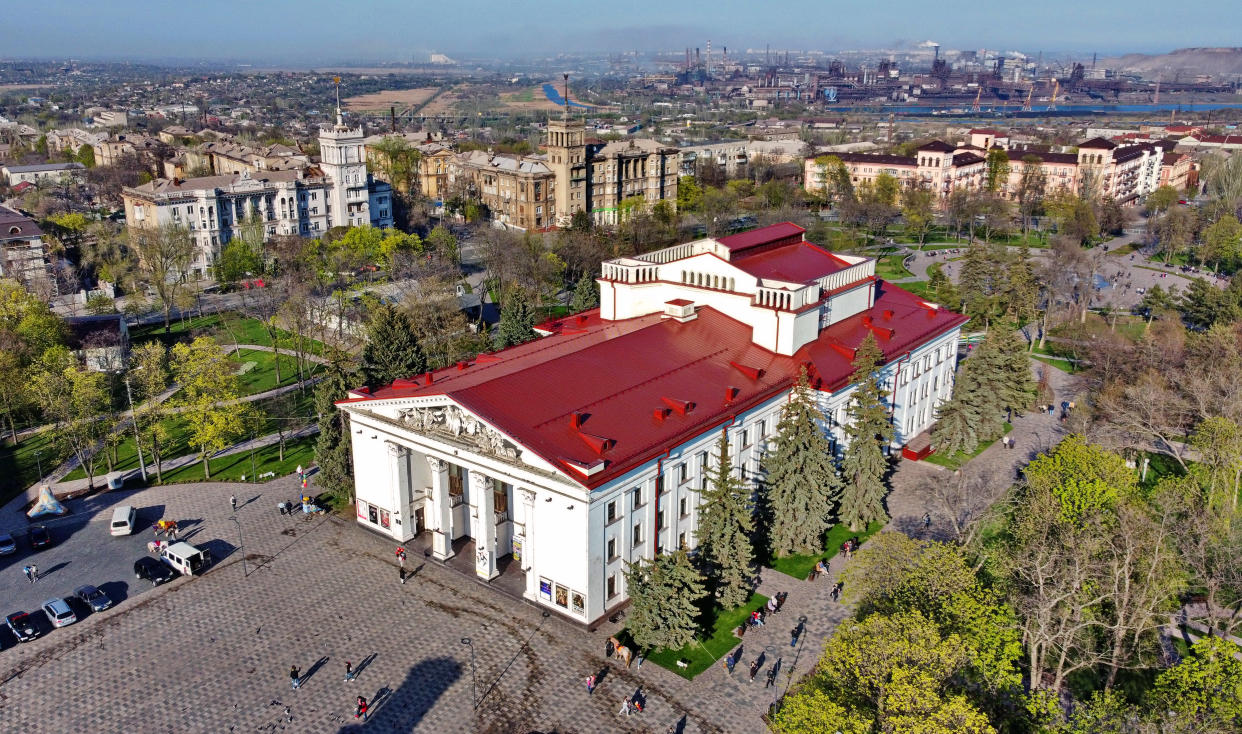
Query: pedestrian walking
[
  {"x": 349, "y": 670},
  {"x": 926, "y": 520},
  {"x": 295, "y": 678},
  {"x": 771, "y": 677},
  {"x": 34, "y": 573},
  {"x": 401, "y": 574},
  {"x": 794, "y": 635},
  {"x": 625, "y": 707},
  {"x": 233, "y": 502},
  {"x": 754, "y": 670},
  {"x": 29, "y": 575},
  {"x": 401, "y": 555},
  {"x": 729, "y": 662},
  {"x": 590, "y": 683},
  {"x": 836, "y": 591},
  {"x": 360, "y": 709}
]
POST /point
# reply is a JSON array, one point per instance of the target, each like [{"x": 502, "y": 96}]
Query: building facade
[
  {"x": 596, "y": 177},
  {"x": 23, "y": 256},
  {"x": 296, "y": 201},
  {"x": 518, "y": 191},
  {"x": 554, "y": 462},
  {"x": 44, "y": 173}
]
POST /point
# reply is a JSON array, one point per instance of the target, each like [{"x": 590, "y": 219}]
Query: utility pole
[{"x": 133, "y": 418}]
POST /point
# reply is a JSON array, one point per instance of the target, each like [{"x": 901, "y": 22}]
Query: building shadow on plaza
[{"x": 403, "y": 708}]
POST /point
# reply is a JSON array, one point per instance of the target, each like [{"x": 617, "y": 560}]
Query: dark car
[
  {"x": 23, "y": 626},
  {"x": 93, "y": 597},
  {"x": 152, "y": 570},
  {"x": 39, "y": 537}
]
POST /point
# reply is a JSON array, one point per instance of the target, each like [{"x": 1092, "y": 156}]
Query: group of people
[{"x": 361, "y": 705}]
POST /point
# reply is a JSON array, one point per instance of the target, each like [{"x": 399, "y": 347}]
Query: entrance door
[{"x": 418, "y": 521}]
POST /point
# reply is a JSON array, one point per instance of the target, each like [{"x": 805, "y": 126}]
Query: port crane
[
  {"x": 975, "y": 106},
  {"x": 1056, "y": 87},
  {"x": 1026, "y": 106}
]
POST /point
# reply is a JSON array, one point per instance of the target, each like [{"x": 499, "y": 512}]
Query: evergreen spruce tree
[
  {"x": 664, "y": 601},
  {"x": 1002, "y": 369},
  {"x": 802, "y": 485},
  {"x": 960, "y": 418},
  {"x": 517, "y": 318},
  {"x": 392, "y": 351},
  {"x": 869, "y": 431},
  {"x": 725, "y": 524},
  {"x": 332, "y": 452},
  {"x": 586, "y": 294}
]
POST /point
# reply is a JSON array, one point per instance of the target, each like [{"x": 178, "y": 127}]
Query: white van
[
  {"x": 186, "y": 559},
  {"x": 123, "y": 519}
]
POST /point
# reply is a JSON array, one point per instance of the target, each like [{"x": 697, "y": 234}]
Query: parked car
[
  {"x": 59, "y": 613},
  {"x": 94, "y": 598},
  {"x": 8, "y": 545},
  {"x": 39, "y": 537},
  {"x": 152, "y": 570},
  {"x": 23, "y": 626}
]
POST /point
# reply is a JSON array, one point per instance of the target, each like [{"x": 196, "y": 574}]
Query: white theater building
[{"x": 548, "y": 465}]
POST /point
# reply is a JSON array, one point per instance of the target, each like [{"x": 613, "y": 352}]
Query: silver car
[
  {"x": 59, "y": 613},
  {"x": 8, "y": 546}
]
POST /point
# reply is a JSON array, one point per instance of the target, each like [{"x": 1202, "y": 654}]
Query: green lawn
[
  {"x": 889, "y": 267},
  {"x": 704, "y": 651},
  {"x": 918, "y": 288},
  {"x": 1071, "y": 368},
  {"x": 231, "y": 468},
  {"x": 799, "y": 565},
  {"x": 1125, "y": 249},
  {"x": 956, "y": 461},
  {"x": 262, "y": 376},
  {"x": 177, "y": 444},
  {"x": 228, "y": 328},
  {"x": 19, "y": 466},
  {"x": 178, "y": 428}
]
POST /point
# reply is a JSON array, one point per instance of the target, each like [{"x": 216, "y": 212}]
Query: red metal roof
[
  {"x": 772, "y": 235},
  {"x": 598, "y": 389},
  {"x": 801, "y": 263}
]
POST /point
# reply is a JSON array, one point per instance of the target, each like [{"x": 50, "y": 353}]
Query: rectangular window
[
  {"x": 763, "y": 429},
  {"x": 683, "y": 473},
  {"x": 612, "y": 511},
  {"x": 660, "y": 520},
  {"x": 702, "y": 470},
  {"x": 638, "y": 497},
  {"x": 681, "y": 540},
  {"x": 612, "y": 549},
  {"x": 683, "y": 506},
  {"x": 637, "y": 539},
  {"x": 612, "y": 585},
  {"x": 745, "y": 437}
]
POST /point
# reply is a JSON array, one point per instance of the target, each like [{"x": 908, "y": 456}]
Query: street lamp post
[
  {"x": 474, "y": 680},
  {"x": 133, "y": 418},
  {"x": 241, "y": 546},
  {"x": 39, "y": 463}
]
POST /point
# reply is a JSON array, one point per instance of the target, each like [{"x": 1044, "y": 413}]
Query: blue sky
[{"x": 326, "y": 31}]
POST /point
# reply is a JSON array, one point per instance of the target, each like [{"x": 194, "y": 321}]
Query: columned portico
[
  {"x": 528, "y": 543},
  {"x": 442, "y": 536},
  {"x": 481, "y": 491}
]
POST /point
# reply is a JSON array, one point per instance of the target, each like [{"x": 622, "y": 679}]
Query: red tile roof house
[{"x": 549, "y": 464}]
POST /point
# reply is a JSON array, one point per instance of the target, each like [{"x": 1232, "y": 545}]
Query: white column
[
  {"x": 481, "y": 488},
  {"x": 442, "y": 533},
  {"x": 402, "y": 492},
  {"x": 528, "y": 544}
]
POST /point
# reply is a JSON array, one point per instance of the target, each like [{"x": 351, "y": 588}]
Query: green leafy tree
[
  {"x": 726, "y": 521},
  {"x": 28, "y": 330},
  {"x": 1031, "y": 188},
  {"x": 208, "y": 396},
  {"x": 1219, "y": 441},
  {"x": 916, "y": 211},
  {"x": 517, "y": 319},
  {"x": 332, "y": 446},
  {"x": 149, "y": 376},
  {"x": 164, "y": 255},
  {"x": 1176, "y": 231},
  {"x": 586, "y": 294},
  {"x": 442, "y": 241},
  {"x": 996, "y": 176},
  {"x": 1161, "y": 200},
  {"x": 1205, "y": 687},
  {"x": 1222, "y": 241},
  {"x": 689, "y": 194},
  {"x": 802, "y": 485},
  {"x": 665, "y": 594},
  {"x": 958, "y": 417},
  {"x": 392, "y": 351},
  {"x": 869, "y": 432},
  {"x": 76, "y": 401},
  {"x": 237, "y": 262}
]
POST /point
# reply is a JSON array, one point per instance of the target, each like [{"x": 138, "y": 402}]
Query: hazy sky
[{"x": 325, "y": 31}]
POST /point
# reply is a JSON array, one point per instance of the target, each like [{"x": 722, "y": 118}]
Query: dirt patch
[
  {"x": 399, "y": 98},
  {"x": 528, "y": 99}
]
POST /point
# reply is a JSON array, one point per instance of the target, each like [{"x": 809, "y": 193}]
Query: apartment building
[
  {"x": 23, "y": 256},
  {"x": 518, "y": 190},
  {"x": 937, "y": 166},
  {"x": 304, "y": 201}
]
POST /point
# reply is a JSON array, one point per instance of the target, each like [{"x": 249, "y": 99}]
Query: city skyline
[{"x": 316, "y": 31}]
